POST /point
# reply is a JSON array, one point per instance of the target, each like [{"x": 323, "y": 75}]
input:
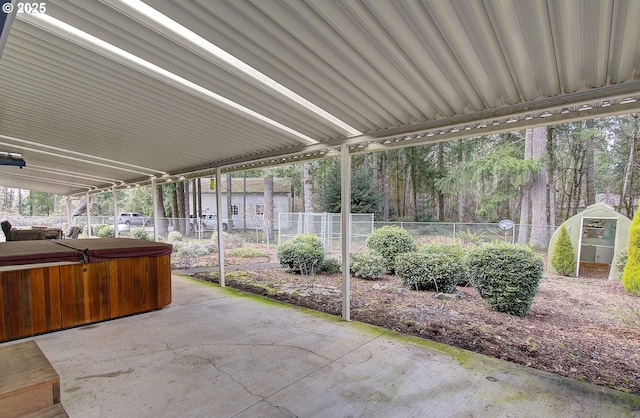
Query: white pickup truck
[
  {"x": 130, "y": 218},
  {"x": 210, "y": 222}
]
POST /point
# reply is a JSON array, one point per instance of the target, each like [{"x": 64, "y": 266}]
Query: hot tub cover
[
  {"x": 14, "y": 253},
  {"x": 104, "y": 249}
]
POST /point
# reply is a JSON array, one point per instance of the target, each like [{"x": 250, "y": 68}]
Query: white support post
[
  {"x": 219, "y": 217},
  {"x": 115, "y": 212},
  {"x": 345, "y": 180},
  {"x": 154, "y": 199}
]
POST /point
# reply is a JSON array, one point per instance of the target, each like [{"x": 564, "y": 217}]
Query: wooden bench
[{"x": 29, "y": 385}]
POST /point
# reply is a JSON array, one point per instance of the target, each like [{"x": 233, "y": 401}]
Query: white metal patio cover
[{"x": 96, "y": 95}]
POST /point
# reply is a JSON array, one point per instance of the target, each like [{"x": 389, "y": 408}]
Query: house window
[
  {"x": 234, "y": 209},
  {"x": 259, "y": 209}
]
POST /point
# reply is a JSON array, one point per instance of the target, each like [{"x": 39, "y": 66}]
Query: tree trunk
[
  {"x": 439, "y": 194},
  {"x": 182, "y": 206},
  {"x": 539, "y": 228},
  {"x": 385, "y": 187},
  {"x": 590, "y": 163},
  {"x": 398, "y": 186},
  {"x": 307, "y": 187},
  {"x": 461, "y": 192},
  {"x": 160, "y": 210},
  {"x": 199, "y": 198},
  {"x": 414, "y": 184},
  {"x": 244, "y": 201},
  {"x": 268, "y": 208},
  {"x": 551, "y": 180},
  {"x": 525, "y": 204},
  {"x": 626, "y": 197},
  {"x": 174, "y": 207},
  {"x": 374, "y": 165}
]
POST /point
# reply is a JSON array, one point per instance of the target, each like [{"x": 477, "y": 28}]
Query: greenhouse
[{"x": 598, "y": 234}]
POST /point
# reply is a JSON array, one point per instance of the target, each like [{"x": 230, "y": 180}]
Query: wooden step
[
  {"x": 53, "y": 411},
  {"x": 28, "y": 382}
]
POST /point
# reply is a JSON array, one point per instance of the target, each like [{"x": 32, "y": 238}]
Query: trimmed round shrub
[
  {"x": 431, "y": 271},
  {"x": 367, "y": 264},
  {"x": 506, "y": 276},
  {"x": 456, "y": 254},
  {"x": 389, "y": 241},
  {"x": 141, "y": 233},
  {"x": 192, "y": 249},
  {"x": 331, "y": 265},
  {"x": 174, "y": 236},
  {"x": 302, "y": 253},
  {"x": 105, "y": 231},
  {"x": 563, "y": 257},
  {"x": 631, "y": 273}
]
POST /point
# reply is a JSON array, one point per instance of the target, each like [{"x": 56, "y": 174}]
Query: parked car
[{"x": 131, "y": 218}]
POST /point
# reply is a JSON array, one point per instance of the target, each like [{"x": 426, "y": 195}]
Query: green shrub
[
  {"x": 456, "y": 254},
  {"x": 246, "y": 252},
  {"x": 631, "y": 274},
  {"x": 367, "y": 264},
  {"x": 431, "y": 271},
  {"x": 389, "y": 241},
  {"x": 472, "y": 238},
  {"x": 506, "y": 276},
  {"x": 174, "y": 236},
  {"x": 302, "y": 253},
  {"x": 176, "y": 246},
  {"x": 105, "y": 231},
  {"x": 141, "y": 233},
  {"x": 621, "y": 260},
  {"x": 563, "y": 257},
  {"x": 331, "y": 265},
  {"x": 192, "y": 249}
]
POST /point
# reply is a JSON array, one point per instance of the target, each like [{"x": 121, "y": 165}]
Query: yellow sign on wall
[{"x": 212, "y": 184}]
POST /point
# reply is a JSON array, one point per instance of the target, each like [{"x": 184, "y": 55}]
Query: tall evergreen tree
[{"x": 364, "y": 196}]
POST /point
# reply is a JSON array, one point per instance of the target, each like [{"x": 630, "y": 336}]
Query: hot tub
[{"x": 56, "y": 284}]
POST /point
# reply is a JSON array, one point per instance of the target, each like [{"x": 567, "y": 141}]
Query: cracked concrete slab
[{"x": 219, "y": 353}]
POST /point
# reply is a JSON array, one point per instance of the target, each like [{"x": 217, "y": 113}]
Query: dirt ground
[{"x": 586, "y": 328}]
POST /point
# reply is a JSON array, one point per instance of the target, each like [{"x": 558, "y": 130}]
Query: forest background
[{"x": 539, "y": 177}]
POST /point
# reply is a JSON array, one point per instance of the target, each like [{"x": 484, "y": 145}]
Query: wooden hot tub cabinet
[{"x": 96, "y": 280}]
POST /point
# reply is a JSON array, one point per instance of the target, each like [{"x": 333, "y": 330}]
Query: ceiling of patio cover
[{"x": 308, "y": 76}]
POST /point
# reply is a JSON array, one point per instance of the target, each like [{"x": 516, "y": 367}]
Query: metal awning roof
[{"x": 150, "y": 95}]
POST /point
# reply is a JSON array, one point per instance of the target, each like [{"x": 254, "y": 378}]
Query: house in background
[{"x": 247, "y": 201}]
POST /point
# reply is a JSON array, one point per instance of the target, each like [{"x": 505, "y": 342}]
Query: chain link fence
[
  {"x": 327, "y": 226},
  {"x": 474, "y": 233}
]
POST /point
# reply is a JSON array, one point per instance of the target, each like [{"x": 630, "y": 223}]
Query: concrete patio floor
[{"x": 219, "y": 353}]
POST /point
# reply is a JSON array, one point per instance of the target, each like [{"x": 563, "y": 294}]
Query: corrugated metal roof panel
[{"x": 379, "y": 67}]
